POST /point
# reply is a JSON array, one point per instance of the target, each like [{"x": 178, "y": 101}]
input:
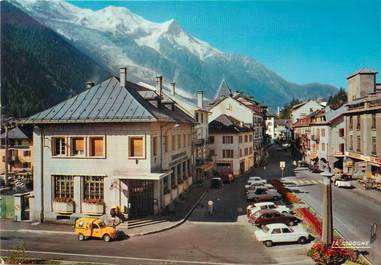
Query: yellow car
[{"x": 92, "y": 227}]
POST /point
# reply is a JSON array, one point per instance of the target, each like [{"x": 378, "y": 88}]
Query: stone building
[{"x": 363, "y": 124}]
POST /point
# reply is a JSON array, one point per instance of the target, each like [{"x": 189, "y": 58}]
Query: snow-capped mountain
[{"x": 115, "y": 37}]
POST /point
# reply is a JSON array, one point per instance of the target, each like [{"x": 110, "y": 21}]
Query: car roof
[
  {"x": 263, "y": 203},
  {"x": 276, "y": 225},
  {"x": 268, "y": 211},
  {"x": 88, "y": 219}
]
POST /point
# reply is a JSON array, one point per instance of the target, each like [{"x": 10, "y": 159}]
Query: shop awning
[
  {"x": 207, "y": 166},
  {"x": 143, "y": 176}
]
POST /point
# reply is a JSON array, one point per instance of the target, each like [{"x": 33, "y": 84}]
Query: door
[
  {"x": 140, "y": 197},
  {"x": 242, "y": 167}
]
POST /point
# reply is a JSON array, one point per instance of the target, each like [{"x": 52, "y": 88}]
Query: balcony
[{"x": 199, "y": 142}]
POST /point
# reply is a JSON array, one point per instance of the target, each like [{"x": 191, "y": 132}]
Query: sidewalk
[{"x": 183, "y": 208}]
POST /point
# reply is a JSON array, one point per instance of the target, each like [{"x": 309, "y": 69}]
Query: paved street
[
  {"x": 223, "y": 238},
  {"x": 353, "y": 213}
]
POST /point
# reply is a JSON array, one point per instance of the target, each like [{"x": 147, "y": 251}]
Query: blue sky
[{"x": 302, "y": 40}]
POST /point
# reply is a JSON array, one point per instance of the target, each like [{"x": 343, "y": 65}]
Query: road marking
[
  {"x": 36, "y": 231},
  {"x": 140, "y": 259}
]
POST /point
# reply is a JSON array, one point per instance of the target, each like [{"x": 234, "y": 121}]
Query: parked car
[
  {"x": 261, "y": 194},
  {"x": 343, "y": 182},
  {"x": 265, "y": 217},
  {"x": 289, "y": 181},
  {"x": 267, "y": 206},
  {"x": 87, "y": 227},
  {"x": 216, "y": 183},
  {"x": 279, "y": 232}
]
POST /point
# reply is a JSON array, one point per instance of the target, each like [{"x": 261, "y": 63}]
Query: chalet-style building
[
  {"x": 244, "y": 109},
  {"x": 115, "y": 144},
  {"x": 231, "y": 143}
]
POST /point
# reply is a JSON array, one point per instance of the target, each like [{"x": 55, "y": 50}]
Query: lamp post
[{"x": 327, "y": 233}]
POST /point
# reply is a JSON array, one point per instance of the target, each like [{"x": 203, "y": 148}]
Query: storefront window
[
  {"x": 63, "y": 187},
  {"x": 93, "y": 188}
]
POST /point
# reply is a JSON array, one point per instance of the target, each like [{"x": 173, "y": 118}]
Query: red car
[{"x": 264, "y": 217}]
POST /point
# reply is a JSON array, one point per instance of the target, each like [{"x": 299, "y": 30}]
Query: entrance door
[
  {"x": 140, "y": 197},
  {"x": 242, "y": 167}
]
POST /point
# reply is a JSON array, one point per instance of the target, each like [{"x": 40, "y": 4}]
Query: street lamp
[{"x": 327, "y": 233}]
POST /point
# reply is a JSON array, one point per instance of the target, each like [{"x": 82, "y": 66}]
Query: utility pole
[
  {"x": 327, "y": 233},
  {"x": 6, "y": 159}
]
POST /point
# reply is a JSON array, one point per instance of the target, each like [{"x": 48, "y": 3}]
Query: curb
[
  {"x": 171, "y": 226},
  {"x": 39, "y": 231}
]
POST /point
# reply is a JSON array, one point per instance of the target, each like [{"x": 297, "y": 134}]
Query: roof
[
  {"x": 298, "y": 105},
  {"x": 227, "y": 124},
  {"x": 334, "y": 114},
  {"x": 19, "y": 133},
  {"x": 223, "y": 89},
  {"x": 364, "y": 70},
  {"x": 282, "y": 122},
  {"x": 110, "y": 102}
]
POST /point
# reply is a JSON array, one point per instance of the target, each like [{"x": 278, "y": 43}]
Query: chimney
[
  {"x": 123, "y": 76},
  {"x": 200, "y": 99},
  {"x": 159, "y": 84},
  {"x": 173, "y": 88},
  {"x": 89, "y": 84}
]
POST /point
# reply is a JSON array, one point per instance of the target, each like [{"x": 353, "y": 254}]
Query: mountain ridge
[{"x": 115, "y": 37}]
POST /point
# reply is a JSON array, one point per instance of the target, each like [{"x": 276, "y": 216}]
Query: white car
[
  {"x": 267, "y": 205},
  {"x": 263, "y": 195},
  {"x": 341, "y": 183},
  {"x": 274, "y": 233},
  {"x": 256, "y": 180}
]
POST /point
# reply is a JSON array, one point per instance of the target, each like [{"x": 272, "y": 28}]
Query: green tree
[
  {"x": 338, "y": 99},
  {"x": 286, "y": 110}
]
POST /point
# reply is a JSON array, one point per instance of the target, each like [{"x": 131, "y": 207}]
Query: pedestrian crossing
[{"x": 304, "y": 182}]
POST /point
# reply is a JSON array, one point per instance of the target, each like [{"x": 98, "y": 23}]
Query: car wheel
[
  {"x": 106, "y": 238},
  {"x": 268, "y": 243},
  {"x": 81, "y": 237},
  {"x": 291, "y": 223},
  {"x": 302, "y": 240}
]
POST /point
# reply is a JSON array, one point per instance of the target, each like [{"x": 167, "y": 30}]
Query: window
[
  {"x": 227, "y": 153},
  {"x": 341, "y": 147},
  {"x": 358, "y": 144},
  {"x": 59, "y": 146},
  {"x": 185, "y": 140},
  {"x": 341, "y": 132},
  {"x": 26, "y": 153},
  {"x": 202, "y": 117},
  {"x": 323, "y": 147},
  {"x": 276, "y": 231},
  {"x": 246, "y": 138},
  {"x": 322, "y": 132},
  {"x": 154, "y": 146},
  {"x": 351, "y": 142},
  {"x": 96, "y": 146},
  {"x": 179, "y": 141},
  {"x": 373, "y": 120},
  {"x": 26, "y": 165},
  {"x": 240, "y": 139},
  {"x": 136, "y": 147},
  {"x": 250, "y": 150},
  {"x": 77, "y": 146},
  {"x": 286, "y": 230},
  {"x": 358, "y": 123},
  {"x": 227, "y": 139},
  {"x": 240, "y": 152},
  {"x": 93, "y": 188},
  {"x": 173, "y": 142},
  {"x": 374, "y": 145},
  {"x": 250, "y": 137},
  {"x": 166, "y": 143},
  {"x": 63, "y": 187},
  {"x": 351, "y": 122},
  {"x": 211, "y": 139},
  {"x": 197, "y": 116},
  {"x": 246, "y": 151},
  {"x": 212, "y": 152}
]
